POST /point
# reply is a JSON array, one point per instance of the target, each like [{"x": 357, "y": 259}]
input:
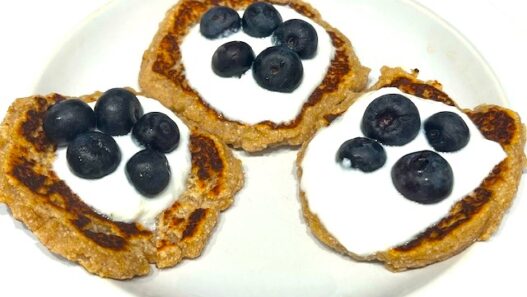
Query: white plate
[{"x": 261, "y": 246}]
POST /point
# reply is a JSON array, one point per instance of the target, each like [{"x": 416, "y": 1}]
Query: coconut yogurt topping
[
  {"x": 241, "y": 99},
  {"x": 113, "y": 195},
  {"x": 364, "y": 211}
]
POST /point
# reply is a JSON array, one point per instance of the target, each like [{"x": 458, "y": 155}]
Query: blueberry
[
  {"x": 155, "y": 130},
  {"x": 363, "y": 153},
  {"x": 232, "y": 59},
  {"x": 93, "y": 155},
  {"x": 66, "y": 119},
  {"x": 299, "y": 36},
  {"x": 424, "y": 177},
  {"x": 116, "y": 111},
  {"x": 278, "y": 69},
  {"x": 391, "y": 119},
  {"x": 219, "y": 21},
  {"x": 446, "y": 132},
  {"x": 260, "y": 19},
  {"x": 149, "y": 172}
]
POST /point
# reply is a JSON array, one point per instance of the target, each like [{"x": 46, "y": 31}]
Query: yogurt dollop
[
  {"x": 241, "y": 99},
  {"x": 113, "y": 195},
  {"x": 364, "y": 211}
]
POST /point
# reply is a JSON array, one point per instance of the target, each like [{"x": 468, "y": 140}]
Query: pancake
[
  {"x": 68, "y": 227},
  {"x": 473, "y": 218}
]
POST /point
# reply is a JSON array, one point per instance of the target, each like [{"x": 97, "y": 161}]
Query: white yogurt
[
  {"x": 241, "y": 99},
  {"x": 364, "y": 211},
  {"x": 113, "y": 195}
]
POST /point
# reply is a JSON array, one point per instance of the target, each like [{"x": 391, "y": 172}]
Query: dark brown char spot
[
  {"x": 109, "y": 241},
  {"x": 189, "y": 12},
  {"x": 495, "y": 124},
  {"x": 205, "y": 156},
  {"x": 31, "y": 129},
  {"x": 331, "y": 117},
  {"x": 421, "y": 90},
  {"x": 338, "y": 68},
  {"x": 193, "y": 222},
  {"x": 176, "y": 221},
  {"x": 23, "y": 172}
]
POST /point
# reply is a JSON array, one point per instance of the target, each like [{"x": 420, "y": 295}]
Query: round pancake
[
  {"x": 68, "y": 227},
  {"x": 476, "y": 216}
]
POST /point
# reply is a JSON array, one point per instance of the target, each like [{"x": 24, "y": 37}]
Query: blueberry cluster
[
  {"x": 277, "y": 68},
  {"x": 424, "y": 177},
  {"x": 93, "y": 153}
]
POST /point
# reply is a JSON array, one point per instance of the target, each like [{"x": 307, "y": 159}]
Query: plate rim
[{"x": 469, "y": 45}]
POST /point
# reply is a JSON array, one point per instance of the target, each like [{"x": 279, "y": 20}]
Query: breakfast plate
[{"x": 262, "y": 246}]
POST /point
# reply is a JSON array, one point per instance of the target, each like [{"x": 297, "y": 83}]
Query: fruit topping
[
  {"x": 424, "y": 177},
  {"x": 362, "y": 153},
  {"x": 232, "y": 59},
  {"x": 157, "y": 131},
  {"x": 446, "y": 132},
  {"x": 298, "y": 35},
  {"x": 260, "y": 19},
  {"x": 149, "y": 172},
  {"x": 278, "y": 69},
  {"x": 116, "y": 111},
  {"x": 67, "y": 119},
  {"x": 391, "y": 119},
  {"x": 219, "y": 21},
  {"x": 93, "y": 155}
]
